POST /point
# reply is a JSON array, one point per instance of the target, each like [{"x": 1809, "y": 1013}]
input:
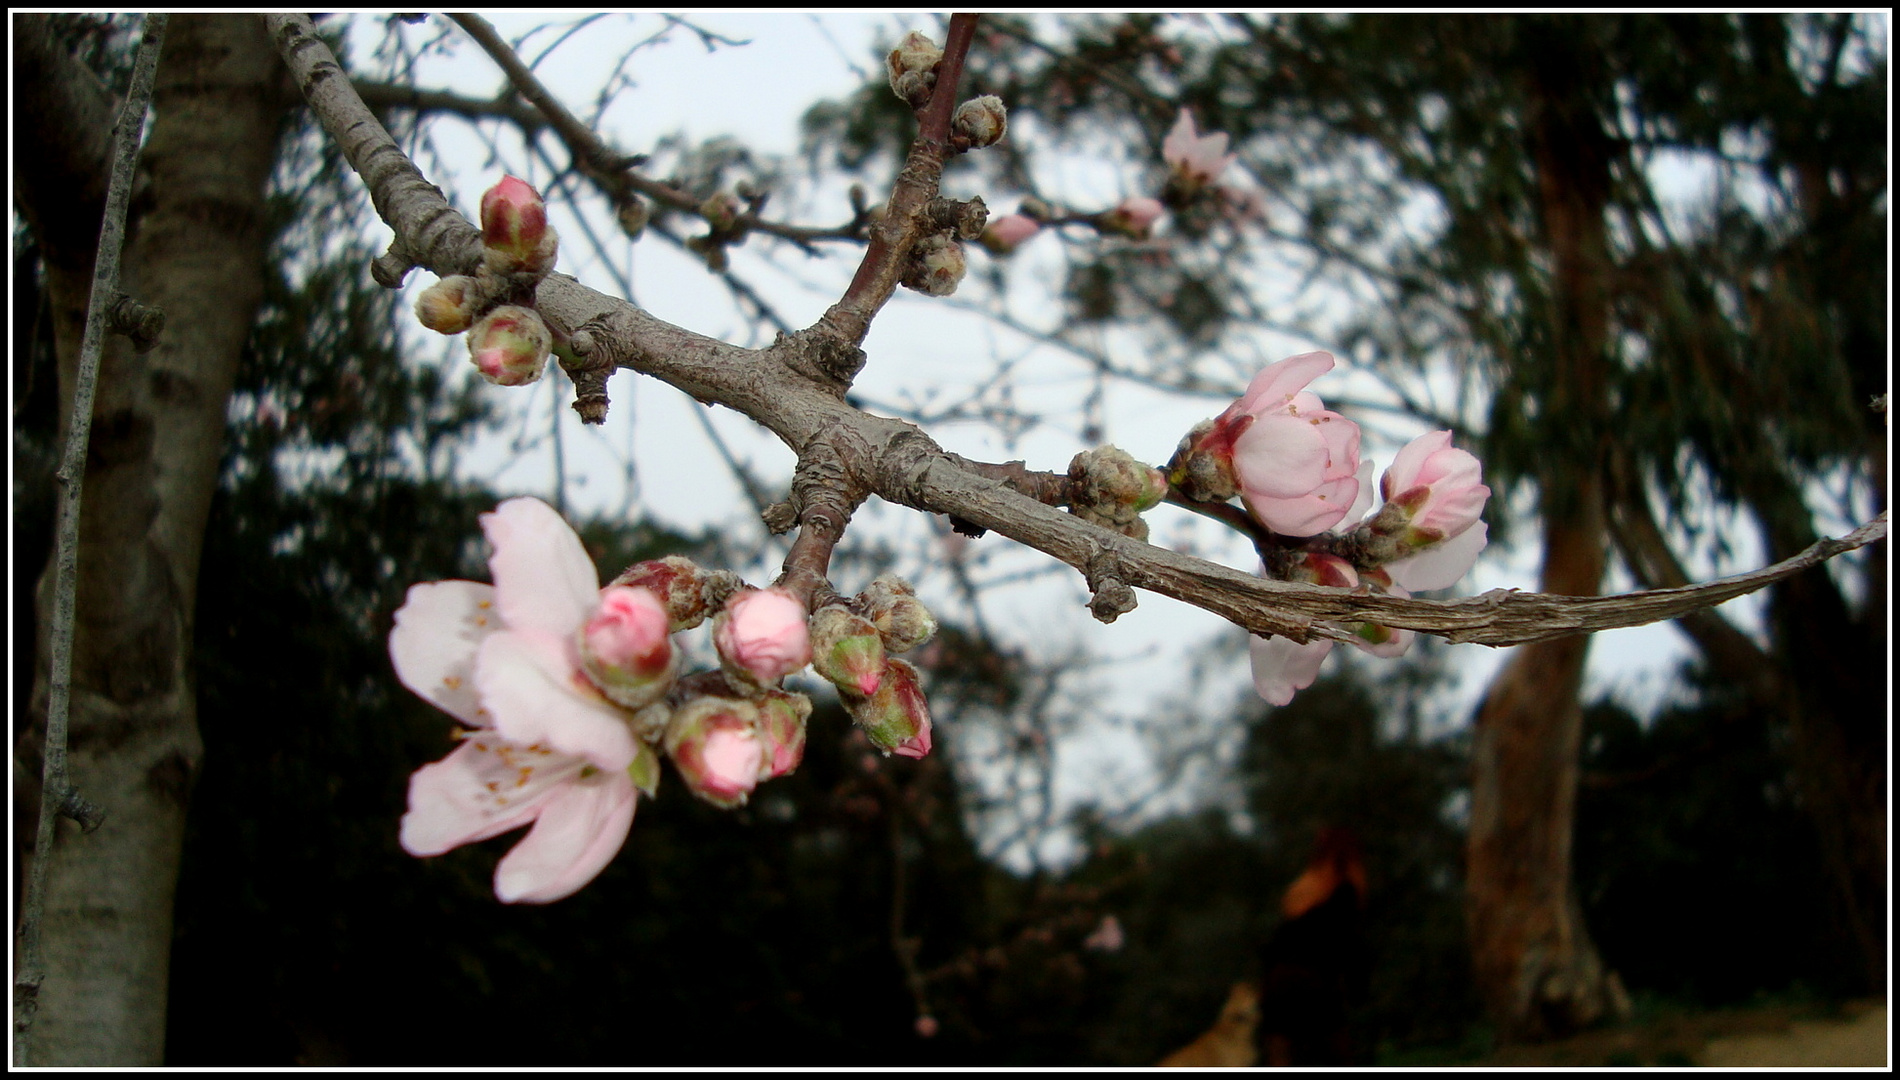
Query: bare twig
[{"x": 55, "y": 796}]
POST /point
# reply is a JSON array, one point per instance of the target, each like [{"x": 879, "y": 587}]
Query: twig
[{"x": 55, "y": 796}]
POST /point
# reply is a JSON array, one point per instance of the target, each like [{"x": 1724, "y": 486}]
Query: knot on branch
[
  {"x": 823, "y": 355},
  {"x": 88, "y": 814},
  {"x": 139, "y": 322},
  {"x": 589, "y": 369},
  {"x": 966, "y": 218},
  {"x": 392, "y": 266},
  {"x": 1112, "y": 597}
]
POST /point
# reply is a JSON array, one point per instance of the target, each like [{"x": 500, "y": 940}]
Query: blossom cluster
[
  {"x": 1195, "y": 164},
  {"x": 570, "y": 693},
  {"x": 1296, "y": 467},
  {"x": 508, "y": 341}
]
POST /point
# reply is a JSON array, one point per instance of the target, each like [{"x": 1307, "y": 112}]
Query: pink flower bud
[
  {"x": 901, "y": 619},
  {"x": 1295, "y": 462},
  {"x": 1196, "y": 160},
  {"x": 715, "y": 744},
  {"x": 936, "y": 266},
  {"x": 762, "y": 635},
  {"x": 847, "y": 650},
  {"x": 678, "y": 582},
  {"x": 782, "y": 718},
  {"x": 897, "y": 718},
  {"x": 625, "y": 649},
  {"x": 982, "y": 120},
  {"x": 510, "y": 345},
  {"x": 1316, "y": 568},
  {"x": 1006, "y": 233},
  {"x": 1132, "y": 217},
  {"x": 515, "y": 232},
  {"x": 448, "y": 306},
  {"x": 1433, "y": 491}
]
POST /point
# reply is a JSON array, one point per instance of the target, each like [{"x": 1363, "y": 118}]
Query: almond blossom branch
[
  {"x": 56, "y": 798},
  {"x": 795, "y": 388},
  {"x": 608, "y": 169}
]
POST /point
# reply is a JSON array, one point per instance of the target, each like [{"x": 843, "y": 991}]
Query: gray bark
[{"x": 197, "y": 251}]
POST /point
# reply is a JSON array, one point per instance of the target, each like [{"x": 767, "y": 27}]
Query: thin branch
[
  {"x": 393, "y": 96},
  {"x": 55, "y": 796}
]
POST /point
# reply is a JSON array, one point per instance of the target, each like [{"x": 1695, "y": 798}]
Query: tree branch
[
  {"x": 779, "y": 388},
  {"x": 55, "y": 796}
]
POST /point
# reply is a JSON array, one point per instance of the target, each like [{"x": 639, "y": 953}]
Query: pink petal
[
  {"x": 484, "y": 788},
  {"x": 1441, "y": 565},
  {"x": 1279, "y": 456},
  {"x": 1279, "y": 381},
  {"x": 534, "y": 689},
  {"x": 579, "y": 832},
  {"x": 438, "y": 629},
  {"x": 1361, "y": 502},
  {"x": 1282, "y": 666},
  {"x": 543, "y": 577}
]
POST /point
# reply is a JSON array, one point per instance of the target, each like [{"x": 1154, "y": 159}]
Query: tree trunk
[
  {"x": 196, "y": 249},
  {"x": 1535, "y": 965}
]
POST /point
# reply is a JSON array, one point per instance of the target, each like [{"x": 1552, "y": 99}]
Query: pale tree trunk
[
  {"x": 1535, "y": 964},
  {"x": 196, "y": 250}
]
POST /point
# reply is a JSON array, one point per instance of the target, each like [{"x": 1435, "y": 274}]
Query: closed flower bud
[
  {"x": 981, "y": 120},
  {"x": 633, "y": 215},
  {"x": 1132, "y": 217},
  {"x": 1006, "y": 233},
  {"x": 936, "y": 266},
  {"x": 625, "y": 649},
  {"x": 901, "y": 619},
  {"x": 715, "y": 744},
  {"x": 846, "y": 649},
  {"x": 721, "y": 210},
  {"x": 782, "y": 717},
  {"x": 645, "y": 770},
  {"x": 897, "y": 718},
  {"x": 510, "y": 345},
  {"x": 912, "y": 68},
  {"x": 516, "y": 237},
  {"x": 448, "y": 306},
  {"x": 762, "y": 636},
  {"x": 678, "y": 582},
  {"x": 1110, "y": 488}
]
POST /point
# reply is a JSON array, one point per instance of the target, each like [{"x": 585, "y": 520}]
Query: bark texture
[{"x": 196, "y": 249}]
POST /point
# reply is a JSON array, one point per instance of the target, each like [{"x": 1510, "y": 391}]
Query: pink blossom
[
  {"x": 1108, "y": 936},
  {"x": 546, "y": 748},
  {"x": 1282, "y": 666},
  {"x": 1007, "y": 232},
  {"x": 763, "y": 632},
  {"x": 1196, "y": 160},
  {"x": 1438, "y": 486},
  {"x": 1295, "y": 461},
  {"x": 1441, "y": 565},
  {"x": 1133, "y": 217}
]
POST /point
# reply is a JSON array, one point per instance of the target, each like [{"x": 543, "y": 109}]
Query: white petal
[
  {"x": 438, "y": 629},
  {"x": 1363, "y": 501},
  {"x": 534, "y": 689},
  {"x": 484, "y": 788},
  {"x": 1441, "y": 565},
  {"x": 543, "y": 577},
  {"x": 1282, "y": 665},
  {"x": 579, "y": 832}
]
